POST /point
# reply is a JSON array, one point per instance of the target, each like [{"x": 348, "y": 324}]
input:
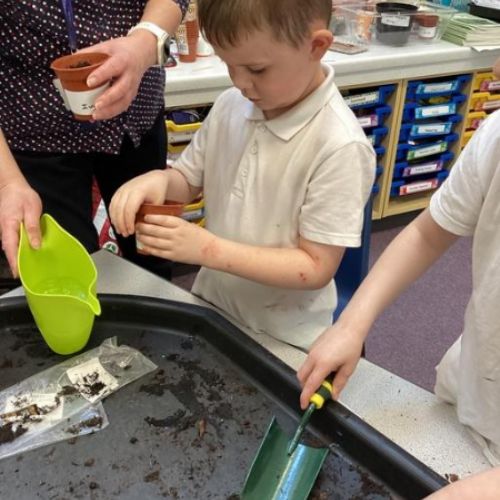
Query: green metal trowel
[{"x": 285, "y": 469}]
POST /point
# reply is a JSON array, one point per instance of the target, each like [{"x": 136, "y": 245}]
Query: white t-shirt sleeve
[
  {"x": 336, "y": 196},
  {"x": 456, "y": 206}
]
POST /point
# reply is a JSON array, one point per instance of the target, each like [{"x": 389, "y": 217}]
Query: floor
[{"x": 411, "y": 336}]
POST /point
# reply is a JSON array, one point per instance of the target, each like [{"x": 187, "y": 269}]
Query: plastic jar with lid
[{"x": 427, "y": 26}]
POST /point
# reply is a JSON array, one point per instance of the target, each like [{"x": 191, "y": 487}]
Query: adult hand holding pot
[{"x": 129, "y": 58}]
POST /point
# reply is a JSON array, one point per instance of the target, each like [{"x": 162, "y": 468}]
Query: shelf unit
[{"x": 199, "y": 83}]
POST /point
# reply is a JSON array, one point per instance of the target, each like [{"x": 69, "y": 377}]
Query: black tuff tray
[{"x": 191, "y": 430}]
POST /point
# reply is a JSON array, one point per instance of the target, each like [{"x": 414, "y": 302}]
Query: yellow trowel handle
[{"x": 323, "y": 394}]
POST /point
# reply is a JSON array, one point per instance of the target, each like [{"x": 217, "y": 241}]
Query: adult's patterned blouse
[{"x": 32, "y": 115}]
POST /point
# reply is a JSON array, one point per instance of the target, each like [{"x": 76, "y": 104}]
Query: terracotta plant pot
[
  {"x": 168, "y": 208},
  {"x": 72, "y": 72},
  {"x": 427, "y": 26},
  {"x": 187, "y": 40}
]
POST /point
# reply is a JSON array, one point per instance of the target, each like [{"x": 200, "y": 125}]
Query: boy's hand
[
  {"x": 176, "y": 239},
  {"x": 147, "y": 188},
  {"x": 336, "y": 350}
]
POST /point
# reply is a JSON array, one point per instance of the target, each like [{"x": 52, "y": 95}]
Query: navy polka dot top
[{"x": 32, "y": 115}]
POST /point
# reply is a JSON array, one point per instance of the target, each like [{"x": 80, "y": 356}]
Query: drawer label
[
  {"x": 440, "y": 110},
  {"x": 427, "y": 150},
  {"x": 417, "y": 187}
]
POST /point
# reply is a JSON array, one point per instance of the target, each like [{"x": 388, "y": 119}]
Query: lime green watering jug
[{"x": 59, "y": 280}]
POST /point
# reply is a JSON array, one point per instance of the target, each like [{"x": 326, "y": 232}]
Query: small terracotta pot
[
  {"x": 168, "y": 208},
  {"x": 427, "y": 26},
  {"x": 72, "y": 71},
  {"x": 187, "y": 40}
]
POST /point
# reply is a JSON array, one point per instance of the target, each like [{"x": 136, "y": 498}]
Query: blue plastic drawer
[
  {"x": 403, "y": 188},
  {"x": 374, "y": 117},
  {"x": 375, "y": 189},
  {"x": 376, "y": 135},
  {"x": 407, "y": 151},
  {"x": 369, "y": 98},
  {"x": 428, "y": 128},
  {"x": 413, "y": 111},
  {"x": 379, "y": 151},
  {"x": 404, "y": 169},
  {"x": 424, "y": 89},
  {"x": 378, "y": 170}
]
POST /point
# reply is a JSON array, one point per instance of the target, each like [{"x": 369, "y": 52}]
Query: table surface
[{"x": 397, "y": 408}]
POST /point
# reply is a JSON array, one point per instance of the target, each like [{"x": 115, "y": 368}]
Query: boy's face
[{"x": 275, "y": 75}]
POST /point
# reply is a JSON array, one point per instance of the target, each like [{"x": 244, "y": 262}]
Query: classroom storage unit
[
  {"x": 429, "y": 135},
  {"x": 485, "y": 99},
  {"x": 373, "y": 107}
]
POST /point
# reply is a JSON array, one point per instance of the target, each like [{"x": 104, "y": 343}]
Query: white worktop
[
  {"x": 198, "y": 83},
  {"x": 408, "y": 415}
]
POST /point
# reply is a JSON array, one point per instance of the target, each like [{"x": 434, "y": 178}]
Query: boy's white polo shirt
[
  {"x": 468, "y": 204},
  {"x": 309, "y": 172}
]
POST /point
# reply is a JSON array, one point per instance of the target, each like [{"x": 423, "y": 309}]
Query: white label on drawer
[
  {"x": 491, "y": 104},
  {"x": 368, "y": 121},
  {"x": 431, "y": 128},
  {"x": 445, "y": 109},
  {"x": 432, "y": 88},
  {"x": 427, "y": 151},
  {"x": 417, "y": 187},
  {"x": 494, "y": 85},
  {"x": 433, "y": 166},
  {"x": 357, "y": 100},
  {"x": 395, "y": 20}
]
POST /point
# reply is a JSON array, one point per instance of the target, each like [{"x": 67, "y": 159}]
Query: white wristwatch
[{"x": 162, "y": 39}]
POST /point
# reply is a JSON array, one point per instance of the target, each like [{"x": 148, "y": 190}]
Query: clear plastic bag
[{"x": 64, "y": 400}]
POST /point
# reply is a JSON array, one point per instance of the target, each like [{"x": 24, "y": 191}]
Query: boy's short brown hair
[{"x": 225, "y": 22}]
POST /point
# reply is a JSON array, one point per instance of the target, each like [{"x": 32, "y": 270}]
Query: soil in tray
[{"x": 189, "y": 430}]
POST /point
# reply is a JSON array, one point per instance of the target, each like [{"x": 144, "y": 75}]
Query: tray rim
[{"x": 393, "y": 465}]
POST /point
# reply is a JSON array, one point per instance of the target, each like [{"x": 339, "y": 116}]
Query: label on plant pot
[
  {"x": 427, "y": 32},
  {"x": 395, "y": 20},
  {"x": 83, "y": 103}
]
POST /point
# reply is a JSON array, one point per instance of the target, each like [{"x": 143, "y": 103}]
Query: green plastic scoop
[
  {"x": 59, "y": 281},
  {"x": 285, "y": 469}
]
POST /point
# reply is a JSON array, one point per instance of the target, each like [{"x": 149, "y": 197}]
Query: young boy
[
  {"x": 284, "y": 167},
  {"x": 468, "y": 204}
]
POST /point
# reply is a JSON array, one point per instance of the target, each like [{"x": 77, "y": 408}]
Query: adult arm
[
  {"x": 18, "y": 203},
  {"x": 338, "y": 349},
  {"x": 130, "y": 57}
]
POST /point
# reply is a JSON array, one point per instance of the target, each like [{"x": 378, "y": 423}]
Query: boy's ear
[{"x": 320, "y": 41}]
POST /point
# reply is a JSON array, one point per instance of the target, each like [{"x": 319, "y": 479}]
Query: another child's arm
[
  {"x": 338, "y": 349},
  {"x": 153, "y": 187},
  {"x": 485, "y": 485},
  {"x": 310, "y": 266}
]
